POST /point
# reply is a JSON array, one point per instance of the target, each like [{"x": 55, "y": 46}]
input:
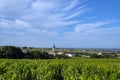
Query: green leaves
[
  {"x": 10, "y": 52},
  {"x": 70, "y": 69}
]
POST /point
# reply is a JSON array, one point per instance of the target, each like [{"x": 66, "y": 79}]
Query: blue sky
[{"x": 67, "y": 23}]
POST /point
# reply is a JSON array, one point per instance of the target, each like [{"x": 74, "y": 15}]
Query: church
[{"x": 53, "y": 52}]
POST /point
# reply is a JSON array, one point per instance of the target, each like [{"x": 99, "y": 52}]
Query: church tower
[{"x": 53, "y": 49}]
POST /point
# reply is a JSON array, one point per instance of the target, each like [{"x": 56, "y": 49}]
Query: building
[
  {"x": 53, "y": 52},
  {"x": 99, "y": 53},
  {"x": 70, "y": 55},
  {"x": 53, "y": 49}
]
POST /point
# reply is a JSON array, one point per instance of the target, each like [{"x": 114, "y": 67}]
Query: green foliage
[
  {"x": 1, "y": 53},
  {"x": 60, "y": 69},
  {"x": 16, "y": 53},
  {"x": 11, "y": 52},
  {"x": 96, "y": 56},
  {"x": 38, "y": 55},
  {"x": 63, "y": 56}
]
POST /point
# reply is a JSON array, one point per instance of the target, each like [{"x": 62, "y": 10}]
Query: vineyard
[{"x": 60, "y": 69}]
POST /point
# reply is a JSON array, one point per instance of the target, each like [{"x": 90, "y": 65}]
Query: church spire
[{"x": 53, "y": 48}]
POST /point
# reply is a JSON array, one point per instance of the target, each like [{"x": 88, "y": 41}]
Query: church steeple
[{"x": 53, "y": 48}]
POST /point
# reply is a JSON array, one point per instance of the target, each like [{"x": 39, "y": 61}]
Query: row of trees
[
  {"x": 17, "y": 53},
  {"x": 104, "y": 55}
]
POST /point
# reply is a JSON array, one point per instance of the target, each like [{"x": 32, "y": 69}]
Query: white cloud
[
  {"x": 71, "y": 5},
  {"x": 90, "y": 26},
  {"x": 14, "y": 8},
  {"x": 74, "y": 14},
  {"x": 105, "y": 31},
  {"x": 15, "y": 33},
  {"x": 44, "y": 14},
  {"x": 44, "y": 6},
  {"x": 40, "y": 14},
  {"x": 49, "y": 20},
  {"x": 22, "y": 23},
  {"x": 4, "y": 23}
]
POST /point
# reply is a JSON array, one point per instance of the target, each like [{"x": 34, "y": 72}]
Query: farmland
[{"x": 60, "y": 69}]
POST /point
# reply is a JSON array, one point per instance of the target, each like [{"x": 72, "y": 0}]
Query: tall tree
[{"x": 11, "y": 52}]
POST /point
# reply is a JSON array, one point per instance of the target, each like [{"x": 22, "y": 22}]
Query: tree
[
  {"x": 45, "y": 55},
  {"x": 33, "y": 54},
  {"x": 96, "y": 56},
  {"x": 11, "y": 52},
  {"x": 1, "y": 53},
  {"x": 38, "y": 54}
]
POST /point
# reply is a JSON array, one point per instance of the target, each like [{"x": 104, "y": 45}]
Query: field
[{"x": 60, "y": 69}]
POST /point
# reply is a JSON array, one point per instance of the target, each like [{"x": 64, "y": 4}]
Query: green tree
[
  {"x": 38, "y": 54},
  {"x": 34, "y": 54},
  {"x": 96, "y": 56},
  {"x": 11, "y": 52},
  {"x": 1, "y": 53}
]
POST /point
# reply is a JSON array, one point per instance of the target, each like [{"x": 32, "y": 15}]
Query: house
[
  {"x": 70, "y": 55},
  {"x": 99, "y": 53},
  {"x": 25, "y": 51},
  {"x": 60, "y": 53},
  {"x": 52, "y": 53}
]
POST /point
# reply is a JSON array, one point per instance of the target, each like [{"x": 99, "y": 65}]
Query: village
[{"x": 56, "y": 52}]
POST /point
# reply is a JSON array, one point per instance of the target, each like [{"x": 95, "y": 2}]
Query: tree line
[{"x": 17, "y": 53}]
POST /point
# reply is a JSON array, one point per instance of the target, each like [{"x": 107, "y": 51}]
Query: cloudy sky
[{"x": 67, "y": 23}]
